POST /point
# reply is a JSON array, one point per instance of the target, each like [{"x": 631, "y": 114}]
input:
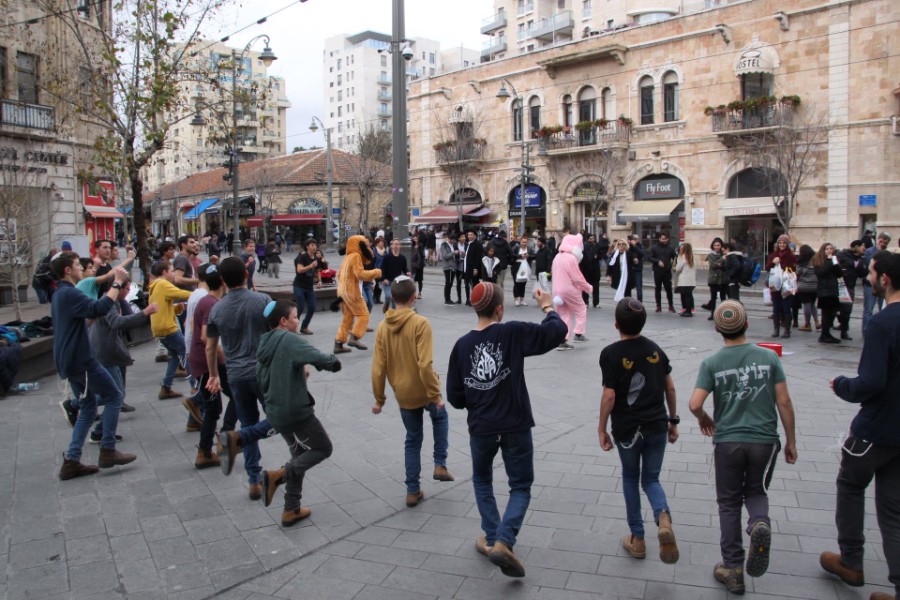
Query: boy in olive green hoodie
[
  {"x": 403, "y": 354},
  {"x": 281, "y": 369}
]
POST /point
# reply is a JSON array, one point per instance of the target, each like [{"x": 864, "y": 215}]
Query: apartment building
[
  {"x": 677, "y": 104},
  {"x": 356, "y": 72},
  {"x": 198, "y": 144}
]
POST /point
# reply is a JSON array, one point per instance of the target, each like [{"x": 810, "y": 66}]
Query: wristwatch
[
  {"x": 544, "y": 309},
  {"x": 116, "y": 285},
  {"x": 674, "y": 420}
]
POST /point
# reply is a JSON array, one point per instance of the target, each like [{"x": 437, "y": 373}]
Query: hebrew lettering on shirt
[{"x": 749, "y": 380}]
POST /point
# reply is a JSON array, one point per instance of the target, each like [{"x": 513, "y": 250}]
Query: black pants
[
  {"x": 471, "y": 282},
  {"x": 734, "y": 291},
  {"x": 419, "y": 277},
  {"x": 687, "y": 298},
  {"x": 743, "y": 474},
  {"x": 519, "y": 289},
  {"x": 828, "y": 315},
  {"x": 212, "y": 409},
  {"x": 716, "y": 289},
  {"x": 662, "y": 278},
  {"x": 861, "y": 462},
  {"x": 595, "y": 294},
  {"x": 309, "y": 445},
  {"x": 448, "y": 284}
]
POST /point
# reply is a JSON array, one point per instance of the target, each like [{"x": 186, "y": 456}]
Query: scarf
[{"x": 623, "y": 275}]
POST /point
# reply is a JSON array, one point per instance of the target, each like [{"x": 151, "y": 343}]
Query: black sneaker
[
  {"x": 96, "y": 438},
  {"x": 564, "y": 346},
  {"x": 580, "y": 338},
  {"x": 449, "y": 303},
  {"x": 127, "y": 408},
  {"x": 70, "y": 413}
]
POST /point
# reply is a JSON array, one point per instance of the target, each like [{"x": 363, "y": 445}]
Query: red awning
[
  {"x": 447, "y": 214},
  {"x": 103, "y": 212},
  {"x": 313, "y": 219}
]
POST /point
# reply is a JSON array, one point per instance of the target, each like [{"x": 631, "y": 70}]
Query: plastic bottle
[{"x": 27, "y": 387}]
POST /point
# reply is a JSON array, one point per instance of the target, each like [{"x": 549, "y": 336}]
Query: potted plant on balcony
[
  {"x": 625, "y": 121},
  {"x": 735, "y": 105},
  {"x": 547, "y": 131},
  {"x": 442, "y": 146},
  {"x": 602, "y": 123},
  {"x": 715, "y": 110},
  {"x": 793, "y": 100},
  {"x": 584, "y": 125}
]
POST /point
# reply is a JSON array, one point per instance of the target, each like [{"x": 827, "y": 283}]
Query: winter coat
[
  {"x": 734, "y": 265},
  {"x": 107, "y": 335},
  {"x": 717, "y": 274},
  {"x": 446, "y": 255},
  {"x": 590, "y": 263},
  {"x": 501, "y": 252},
  {"x": 662, "y": 253},
  {"x": 686, "y": 274},
  {"x": 788, "y": 260},
  {"x": 854, "y": 267},
  {"x": 828, "y": 279}
]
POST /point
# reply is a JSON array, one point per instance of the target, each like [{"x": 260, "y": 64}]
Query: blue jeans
[
  {"x": 869, "y": 301},
  {"x": 116, "y": 374},
  {"x": 174, "y": 343},
  {"x": 246, "y": 394},
  {"x": 305, "y": 298},
  {"x": 368, "y": 294},
  {"x": 517, "y": 451},
  {"x": 650, "y": 451},
  {"x": 387, "y": 293},
  {"x": 90, "y": 388},
  {"x": 412, "y": 420}
]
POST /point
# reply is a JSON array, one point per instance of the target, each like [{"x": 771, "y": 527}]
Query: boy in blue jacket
[{"x": 486, "y": 376}]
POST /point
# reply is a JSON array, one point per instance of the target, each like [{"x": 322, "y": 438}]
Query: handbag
[
  {"x": 788, "y": 283},
  {"x": 843, "y": 292}
]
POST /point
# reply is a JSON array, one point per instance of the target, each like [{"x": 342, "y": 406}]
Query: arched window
[
  {"x": 568, "y": 117},
  {"x": 646, "y": 95},
  {"x": 757, "y": 183},
  {"x": 534, "y": 115},
  {"x": 670, "y": 97},
  {"x": 757, "y": 85},
  {"x": 587, "y": 104},
  {"x": 608, "y": 111},
  {"x": 517, "y": 120}
]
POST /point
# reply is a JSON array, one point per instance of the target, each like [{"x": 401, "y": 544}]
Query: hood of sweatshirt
[
  {"x": 396, "y": 320},
  {"x": 268, "y": 344}
]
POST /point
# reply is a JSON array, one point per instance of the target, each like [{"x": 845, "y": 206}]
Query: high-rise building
[
  {"x": 356, "y": 72},
  {"x": 198, "y": 144},
  {"x": 522, "y": 26}
]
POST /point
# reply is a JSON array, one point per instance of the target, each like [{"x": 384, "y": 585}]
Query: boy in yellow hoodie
[
  {"x": 403, "y": 354},
  {"x": 163, "y": 323}
]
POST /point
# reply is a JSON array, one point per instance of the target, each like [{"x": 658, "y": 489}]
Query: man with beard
[
  {"x": 869, "y": 299},
  {"x": 872, "y": 450},
  {"x": 590, "y": 268}
]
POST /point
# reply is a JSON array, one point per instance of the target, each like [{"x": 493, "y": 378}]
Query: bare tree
[
  {"x": 19, "y": 214},
  {"x": 369, "y": 168},
  {"x": 262, "y": 178},
  {"x": 784, "y": 156},
  {"x": 601, "y": 169},
  {"x": 459, "y": 151},
  {"x": 130, "y": 81}
]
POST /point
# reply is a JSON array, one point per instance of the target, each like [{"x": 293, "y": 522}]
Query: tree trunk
[{"x": 140, "y": 227}]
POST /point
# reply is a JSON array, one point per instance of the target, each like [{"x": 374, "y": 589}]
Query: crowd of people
[{"x": 227, "y": 338}]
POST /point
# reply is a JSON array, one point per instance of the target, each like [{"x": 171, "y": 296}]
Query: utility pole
[{"x": 399, "y": 164}]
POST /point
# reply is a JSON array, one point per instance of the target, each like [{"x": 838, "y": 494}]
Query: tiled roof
[{"x": 301, "y": 168}]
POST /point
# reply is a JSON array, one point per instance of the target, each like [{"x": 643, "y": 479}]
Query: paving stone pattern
[{"x": 158, "y": 528}]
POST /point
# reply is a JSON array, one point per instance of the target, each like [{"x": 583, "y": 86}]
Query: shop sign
[
  {"x": 868, "y": 200},
  {"x": 533, "y": 196},
  {"x": 307, "y": 206},
  {"x": 336, "y": 210},
  {"x": 589, "y": 191},
  {"x": 416, "y": 211},
  {"x": 659, "y": 189},
  {"x": 466, "y": 196}
]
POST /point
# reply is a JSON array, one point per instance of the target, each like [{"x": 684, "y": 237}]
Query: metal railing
[
  {"x": 757, "y": 117},
  {"x": 31, "y": 116},
  {"x": 614, "y": 133}
]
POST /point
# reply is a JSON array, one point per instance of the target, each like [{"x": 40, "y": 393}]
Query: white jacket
[{"x": 685, "y": 275}]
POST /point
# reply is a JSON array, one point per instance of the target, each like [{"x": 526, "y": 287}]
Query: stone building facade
[{"x": 675, "y": 107}]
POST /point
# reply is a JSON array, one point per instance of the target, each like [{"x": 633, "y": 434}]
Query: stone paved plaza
[{"x": 158, "y": 528}]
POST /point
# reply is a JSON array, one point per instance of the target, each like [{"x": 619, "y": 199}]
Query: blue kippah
[{"x": 269, "y": 308}]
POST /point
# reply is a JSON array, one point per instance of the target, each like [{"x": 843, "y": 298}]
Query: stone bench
[
  {"x": 324, "y": 296},
  {"x": 37, "y": 360}
]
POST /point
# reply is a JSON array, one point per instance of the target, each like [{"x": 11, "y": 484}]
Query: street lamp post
[
  {"x": 328, "y": 170},
  {"x": 266, "y": 57},
  {"x": 526, "y": 149}
]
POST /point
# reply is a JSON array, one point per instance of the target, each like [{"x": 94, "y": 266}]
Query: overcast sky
[{"x": 299, "y": 32}]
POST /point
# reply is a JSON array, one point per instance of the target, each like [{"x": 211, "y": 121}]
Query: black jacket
[
  {"x": 474, "y": 254},
  {"x": 542, "y": 260},
  {"x": 635, "y": 256},
  {"x": 828, "y": 280},
  {"x": 666, "y": 254},
  {"x": 501, "y": 252},
  {"x": 590, "y": 263},
  {"x": 854, "y": 267},
  {"x": 734, "y": 265}
]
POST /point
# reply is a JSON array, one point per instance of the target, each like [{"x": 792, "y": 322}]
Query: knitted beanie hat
[
  {"x": 730, "y": 316},
  {"x": 482, "y": 295}
]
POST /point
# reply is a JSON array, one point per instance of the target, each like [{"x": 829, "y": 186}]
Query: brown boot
[
  {"x": 230, "y": 442},
  {"x": 354, "y": 341},
  {"x": 271, "y": 481},
  {"x": 110, "y": 457},
  {"x": 192, "y": 408},
  {"x": 206, "y": 459},
  {"x": 442, "y": 474},
  {"x": 881, "y": 596},
  {"x": 339, "y": 348},
  {"x": 72, "y": 468},
  {"x": 831, "y": 562},
  {"x": 290, "y": 517},
  {"x": 414, "y": 498},
  {"x": 255, "y": 491},
  {"x": 634, "y": 546},
  {"x": 481, "y": 545},
  {"x": 166, "y": 393},
  {"x": 668, "y": 549},
  {"x": 502, "y": 556}
]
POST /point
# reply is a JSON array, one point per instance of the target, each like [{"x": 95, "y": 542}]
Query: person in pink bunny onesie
[{"x": 568, "y": 283}]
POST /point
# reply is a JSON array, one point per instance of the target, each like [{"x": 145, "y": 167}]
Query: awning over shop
[
  {"x": 103, "y": 212},
  {"x": 760, "y": 59},
  {"x": 198, "y": 210},
  {"x": 313, "y": 219},
  {"x": 649, "y": 210},
  {"x": 448, "y": 214}
]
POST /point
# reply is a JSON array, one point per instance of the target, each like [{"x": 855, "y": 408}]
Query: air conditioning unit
[{"x": 895, "y": 125}]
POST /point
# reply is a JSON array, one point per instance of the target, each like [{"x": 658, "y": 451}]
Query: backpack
[
  {"x": 807, "y": 282},
  {"x": 750, "y": 271}
]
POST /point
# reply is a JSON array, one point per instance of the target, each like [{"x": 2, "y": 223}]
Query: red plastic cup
[{"x": 771, "y": 346}]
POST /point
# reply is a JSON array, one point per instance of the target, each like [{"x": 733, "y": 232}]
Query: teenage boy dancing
[
  {"x": 281, "y": 368},
  {"x": 486, "y": 376},
  {"x": 403, "y": 354},
  {"x": 637, "y": 390},
  {"x": 749, "y": 394}
]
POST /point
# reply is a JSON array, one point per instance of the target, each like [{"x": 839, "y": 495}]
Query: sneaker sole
[
  {"x": 758, "y": 556},
  {"x": 226, "y": 460},
  {"x": 192, "y": 409},
  {"x": 668, "y": 549},
  {"x": 66, "y": 414},
  {"x": 508, "y": 565}
]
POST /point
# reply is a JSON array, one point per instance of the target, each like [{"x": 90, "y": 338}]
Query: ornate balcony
[
  {"x": 613, "y": 135},
  {"x": 459, "y": 153},
  {"x": 35, "y": 117},
  {"x": 738, "y": 120}
]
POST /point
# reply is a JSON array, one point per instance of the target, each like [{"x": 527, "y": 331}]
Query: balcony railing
[
  {"x": 494, "y": 46},
  {"x": 757, "y": 117},
  {"x": 30, "y": 116},
  {"x": 493, "y": 22},
  {"x": 613, "y": 134},
  {"x": 384, "y": 80},
  {"x": 451, "y": 153},
  {"x": 384, "y": 96},
  {"x": 560, "y": 24}
]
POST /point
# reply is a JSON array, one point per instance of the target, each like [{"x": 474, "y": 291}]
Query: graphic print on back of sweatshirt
[{"x": 487, "y": 367}]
